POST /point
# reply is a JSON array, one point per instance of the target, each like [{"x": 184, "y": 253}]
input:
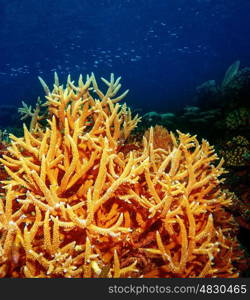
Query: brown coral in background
[
  {"x": 236, "y": 151},
  {"x": 78, "y": 204}
]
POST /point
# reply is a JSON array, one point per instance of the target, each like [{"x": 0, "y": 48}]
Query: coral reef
[
  {"x": 162, "y": 138},
  {"x": 236, "y": 93},
  {"x": 3, "y": 174},
  {"x": 164, "y": 119},
  {"x": 78, "y": 202},
  {"x": 238, "y": 118},
  {"x": 235, "y": 151},
  {"x": 193, "y": 115},
  {"x": 243, "y": 210},
  {"x": 231, "y": 72}
]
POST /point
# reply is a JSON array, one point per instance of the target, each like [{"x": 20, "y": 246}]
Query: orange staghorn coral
[
  {"x": 162, "y": 138},
  {"x": 76, "y": 205}
]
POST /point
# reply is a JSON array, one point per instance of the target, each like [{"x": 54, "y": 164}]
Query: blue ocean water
[{"x": 163, "y": 49}]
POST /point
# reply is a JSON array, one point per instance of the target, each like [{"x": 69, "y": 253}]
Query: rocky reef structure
[
  {"x": 80, "y": 201},
  {"x": 211, "y": 92},
  {"x": 153, "y": 118}
]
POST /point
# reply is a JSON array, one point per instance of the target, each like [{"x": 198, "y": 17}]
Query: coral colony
[{"x": 80, "y": 199}]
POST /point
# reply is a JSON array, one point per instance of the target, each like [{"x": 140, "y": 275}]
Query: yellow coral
[
  {"x": 77, "y": 206},
  {"x": 162, "y": 138},
  {"x": 235, "y": 151},
  {"x": 240, "y": 140},
  {"x": 238, "y": 118}
]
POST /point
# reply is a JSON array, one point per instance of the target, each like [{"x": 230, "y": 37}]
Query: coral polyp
[{"x": 77, "y": 205}]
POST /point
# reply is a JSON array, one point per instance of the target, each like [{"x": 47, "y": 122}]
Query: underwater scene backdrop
[{"x": 101, "y": 181}]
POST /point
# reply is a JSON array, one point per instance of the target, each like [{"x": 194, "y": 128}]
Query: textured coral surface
[{"x": 80, "y": 202}]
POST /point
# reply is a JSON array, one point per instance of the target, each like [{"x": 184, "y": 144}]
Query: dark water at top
[{"x": 163, "y": 49}]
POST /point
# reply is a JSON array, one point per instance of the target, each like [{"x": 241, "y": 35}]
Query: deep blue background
[{"x": 163, "y": 49}]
